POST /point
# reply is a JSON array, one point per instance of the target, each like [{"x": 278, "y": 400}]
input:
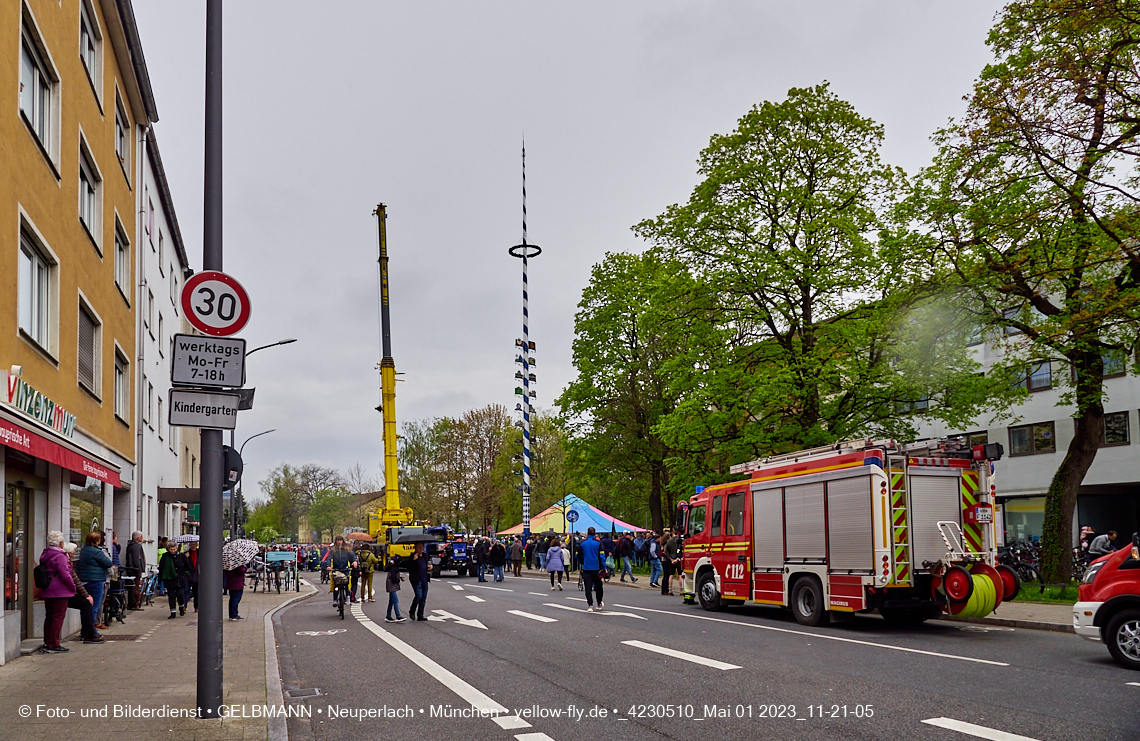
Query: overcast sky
[{"x": 333, "y": 107}]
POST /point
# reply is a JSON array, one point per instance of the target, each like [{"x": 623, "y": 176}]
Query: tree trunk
[
  {"x": 655, "y": 500},
  {"x": 1061, "y": 498}
]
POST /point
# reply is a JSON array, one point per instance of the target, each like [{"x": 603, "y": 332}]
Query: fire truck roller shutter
[
  {"x": 803, "y": 511},
  {"x": 932, "y": 498},
  {"x": 768, "y": 528},
  {"x": 849, "y": 529}
]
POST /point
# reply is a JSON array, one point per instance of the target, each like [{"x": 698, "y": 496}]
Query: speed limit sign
[{"x": 215, "y": 303}]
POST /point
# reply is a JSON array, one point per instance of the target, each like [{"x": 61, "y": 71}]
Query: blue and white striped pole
[{"x": 525, "y": 251}]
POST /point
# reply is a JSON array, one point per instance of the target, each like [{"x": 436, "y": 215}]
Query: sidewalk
[{"x": 147, "y": 662}]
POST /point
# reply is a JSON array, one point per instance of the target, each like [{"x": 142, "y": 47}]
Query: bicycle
[
  {"x": 340, "y": 590},
  {"x": 255, "y": 571}
]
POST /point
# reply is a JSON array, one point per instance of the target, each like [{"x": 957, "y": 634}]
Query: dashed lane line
[
  {"x": 533, "y": 737},
  {"x": 473, "y": 598},
  {"x": 466, "y": 692},
  {"x": 970, "y": 729},
  {"x": 703, "y": 661},
  {"x": 537, "y": 594},
  {"x": 457, "y": 588},
  {"x": 821, "y": 636},
  {"x": 497, "y": 589},
  {"x": 598, "y": 612},
  {"x": 532, "y": 616}
]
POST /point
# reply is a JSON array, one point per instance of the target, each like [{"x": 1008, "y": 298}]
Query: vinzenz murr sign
[{"x": 40, "y": 408}]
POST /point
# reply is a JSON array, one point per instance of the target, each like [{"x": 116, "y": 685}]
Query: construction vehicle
[
  {"x": 391, "y": 521},
  {"x": 907, "y": 529}
]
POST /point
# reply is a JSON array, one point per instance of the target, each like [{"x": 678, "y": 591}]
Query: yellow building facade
[{"x": 74, "y": 108}]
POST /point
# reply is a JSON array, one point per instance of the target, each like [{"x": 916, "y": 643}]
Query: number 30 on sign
[{"x": 215, "y": 303}]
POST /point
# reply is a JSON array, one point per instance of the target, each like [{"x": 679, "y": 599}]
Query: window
[
  {"x": 122, "y": 136},
  {"x": 150, "y": 221},
  {"x": 161, "y": 248},
  {"x": 122, "y": 261},
  {"x": 88, "y": 350},
  {"x": 977, "y": 438},
  {"x": 1032, "y": 439},
  {"x": 150, "y": 404},
  {"x": 1115, "y": 429},
  {"x": 734, "y": 514},
  {"x": 697, "y": 520},
  {"x": 36, "y": 286},
  {"x": 173, "y": 289},
  {"x": 89, "y": 193},
  {"x": 1114, "y": 362},
  {"x": 717, "y": 503},
  {"x": 148, "y": 316},
  {"x": 122, "y": 387},
  {"x": 160, "y": 428},
  {"x": 37, "y": 84},
  {"x": 1041, "y": 376},
  {"x": 1011, "y": 314},
  {"x": 90, "y": 43},
  {"x": 160, "y": 350},
  {"x": 974, "y": 335}
]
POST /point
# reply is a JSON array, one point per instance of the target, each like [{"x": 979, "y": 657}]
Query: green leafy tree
[
  {"x": 332, "y": 509},
  {"x": 1033, "y": 200}
]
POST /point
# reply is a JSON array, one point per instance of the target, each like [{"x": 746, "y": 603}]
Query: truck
[{"x": 862, "y": 525}]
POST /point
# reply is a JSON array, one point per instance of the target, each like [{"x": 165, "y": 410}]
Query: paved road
[{"x": 533, "y": 650}]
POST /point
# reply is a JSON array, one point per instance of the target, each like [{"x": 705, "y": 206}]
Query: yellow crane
[{"x": 391, "y": 521}]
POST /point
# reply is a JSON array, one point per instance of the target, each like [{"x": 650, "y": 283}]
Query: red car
[{"x": 1108, "y": 607}]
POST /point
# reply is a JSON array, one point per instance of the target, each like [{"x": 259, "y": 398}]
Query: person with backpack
[
  {"x": 653, "y": 553},
  {"x": 392, "y": 587},
  {"x": 170, "y": 573},
  {"x": 54, "y": 579}
]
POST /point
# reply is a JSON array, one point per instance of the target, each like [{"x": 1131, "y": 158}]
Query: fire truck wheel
[
  {"x": 807, "y": 602},
  {"x": 707, "y": 594},
  {"x": 958, "y": 584}
]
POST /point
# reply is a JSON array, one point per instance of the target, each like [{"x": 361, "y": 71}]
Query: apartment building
[{"x": 72, "y": 152}]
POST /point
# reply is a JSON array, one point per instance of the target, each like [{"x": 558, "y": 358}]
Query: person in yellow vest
[{"x": 368, "y": 562}]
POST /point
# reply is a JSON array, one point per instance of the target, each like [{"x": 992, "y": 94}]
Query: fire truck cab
[{"x": 906, "y": 529}]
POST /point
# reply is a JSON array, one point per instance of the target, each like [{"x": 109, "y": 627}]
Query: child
[{"x": 392, "y": 586}]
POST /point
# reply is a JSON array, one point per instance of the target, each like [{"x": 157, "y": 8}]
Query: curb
[
  {"x": 1010, "y": 623},
  {"x": 278, "y": 726}
]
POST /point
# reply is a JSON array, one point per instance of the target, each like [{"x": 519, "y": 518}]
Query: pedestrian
[
  {"x": 1102, "y": 545},
  {"x": 234, "y": 581},
  {"x": 190, "y": 565},
  {"x": 666, "y": 564},
  {"x": 170, "y": 574},
  {"x": 516, "y": 557},
  {"x": 60, "y": 588},
  {"x": 625, "y": 550},
  {"x": 592, "y": 562},
  {"x": 639, "y": 550},
  {"x": 392, "y": 587},
  {"x": 136, "y": 565},
  {"x": 554, "y": 563},
  {"x": 357, "y": 572},
  {"x": 541, "y": 549},
  {"x": 418, "y": 576},
  {"x": 673, "y": 555},
  {"x": 528, "y": 553},
  {"x": 82, "y": 601},
  {"x": 566, "y": 558},
  {"x": 481, "y": 555},
  {"x": 93, "y": 566},
  {"x": 653, "y": 553},
  {"x": 368, "y": 562},
  {"x": 498, "y": 558}
]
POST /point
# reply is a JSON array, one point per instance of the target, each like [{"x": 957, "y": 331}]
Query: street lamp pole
[{"x": 234, "y": 499}]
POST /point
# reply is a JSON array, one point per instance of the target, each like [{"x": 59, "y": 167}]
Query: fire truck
[{"x": 905, "y": 529}]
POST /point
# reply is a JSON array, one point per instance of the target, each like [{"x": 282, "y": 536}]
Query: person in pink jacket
[{"x": 60, "y": 589}]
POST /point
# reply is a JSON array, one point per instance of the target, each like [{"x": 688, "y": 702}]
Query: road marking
[
  {"x": 539, "y": 618},
  {"x": 819, "y": 635},
  {"x": 598, "y": 612},
  {"x": 533, "y": 737},
  {"x": 681, "y": 655},
  {"x": 497, "y": 589},
  {"x": 473, "y": 598},
  {"x": 1133, "y": 684},
  {"x": 457, "y": 588},
  {"x": 972, "y": 730},
  {"x": 537, "y": 594},
  {"x": 465, "y": 691},
  {"x": 441, "y": 616},
  {"x": 578, "y": 599}
]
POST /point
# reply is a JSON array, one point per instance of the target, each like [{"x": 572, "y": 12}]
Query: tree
[
  {"x": 1033, "y": 200},
  {"x": 332, "y": 509},
  {"x": 795, "y": 326},
  {"x": 620, "y": 393}
]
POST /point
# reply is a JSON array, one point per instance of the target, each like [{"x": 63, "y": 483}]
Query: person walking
[
  {"x": 481, "y": 556},
  {"x": 653, "y": 553},
  {"x": 418, "y": 576},
  {"x": 528, "y": 553},
  {"x": 673, "y": 556},
  {"x": 541, "y": 549},
  {"x": 592, "y": 562},
  {"x": 136, "y": 563},
  {"x": 498, "y": 558},
  {"x": 368, "y": 563},
  {"x": 93, "y": 565},
  {"x": 625, "y": 549},
  {"x": 190, "y": 566},
  {"x": 392, "y": 587},
  {"x": 666, "y": 565},
  {"x": 554, "y": 563},
  {"x": 60, "y": 588},
  {"x": 82, "y": 601},
  {"x": 170, "y": 574},
  {"x": 516, "y": 557},
  {"x": 234, "y": 582}
]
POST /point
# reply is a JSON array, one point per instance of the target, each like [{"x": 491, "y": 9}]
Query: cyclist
[{"x": 341, "y": 559}]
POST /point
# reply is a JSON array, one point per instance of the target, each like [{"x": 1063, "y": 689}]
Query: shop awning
[{"x": 67, "y": 455}]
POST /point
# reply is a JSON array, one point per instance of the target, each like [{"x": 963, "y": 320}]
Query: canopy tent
[{"x": 589, "y": 516}]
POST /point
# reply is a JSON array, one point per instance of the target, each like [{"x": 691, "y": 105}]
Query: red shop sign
[{"x": 28, "y": 442}]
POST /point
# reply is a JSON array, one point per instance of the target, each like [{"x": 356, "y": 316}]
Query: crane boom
[{"x": 387, "y": 375}]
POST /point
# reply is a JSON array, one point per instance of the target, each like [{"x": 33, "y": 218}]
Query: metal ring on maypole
[{"x": 535, "y": 247}]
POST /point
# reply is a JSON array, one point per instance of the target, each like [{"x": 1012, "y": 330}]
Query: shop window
[
  {"x": 734, "y": 514},
  {"x": 1024, "y": 518},
  {"x": 16, "y": 500},
  {"x": 86, "y": 509},
  {"x": 1115, "y": 429},
  {"x": 1032, "y": 439}
]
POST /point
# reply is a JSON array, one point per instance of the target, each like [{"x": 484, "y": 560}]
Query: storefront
[{"x": 49, "y": 483}]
